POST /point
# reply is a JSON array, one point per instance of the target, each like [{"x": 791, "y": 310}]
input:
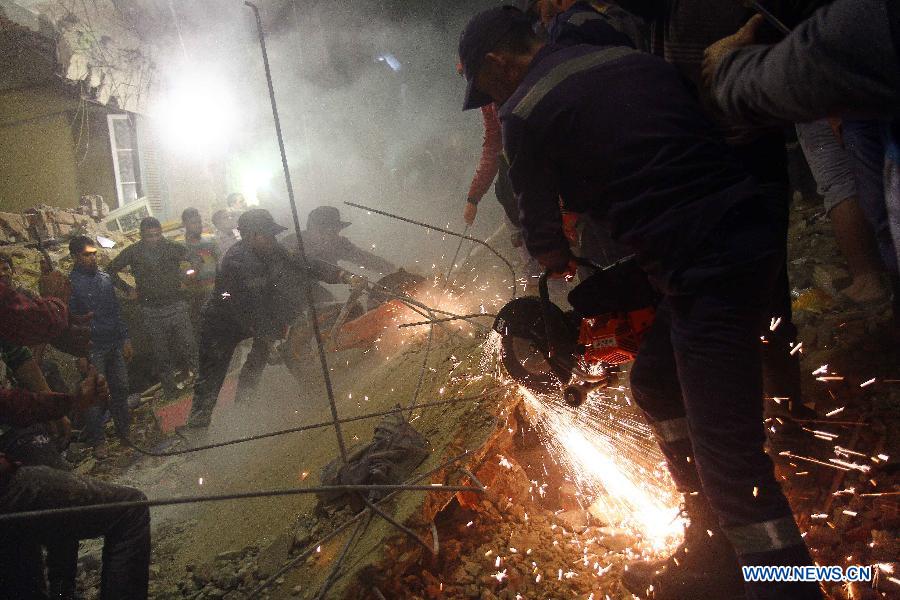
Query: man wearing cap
[
  {"x": 257, "y": 294},
  {"x": 322, "y": 240},
  {"x": 93, "y": 293},
  {"x": 615, "y": 133}
]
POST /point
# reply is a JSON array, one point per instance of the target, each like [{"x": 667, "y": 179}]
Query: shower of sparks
[{"x": 610, "y": 455}]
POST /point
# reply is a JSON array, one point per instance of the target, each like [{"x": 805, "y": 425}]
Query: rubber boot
[{"x": 703, "y": 566}]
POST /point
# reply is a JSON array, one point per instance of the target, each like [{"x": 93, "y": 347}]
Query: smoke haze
[{"x": 369, "y": 102}]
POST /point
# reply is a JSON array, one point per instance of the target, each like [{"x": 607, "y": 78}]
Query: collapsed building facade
[{"x": 77, "y": 88}]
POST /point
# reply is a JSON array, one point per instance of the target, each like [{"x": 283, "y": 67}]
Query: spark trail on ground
[
  {"x": 608, "y": 452},
  {"x": 612, "y": 459}
]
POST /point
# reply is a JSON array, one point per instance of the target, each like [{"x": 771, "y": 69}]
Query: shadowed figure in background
[{"x": 258, "y": 294}]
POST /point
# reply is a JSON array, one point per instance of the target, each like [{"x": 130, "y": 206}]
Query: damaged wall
[
  {"x": 37, "y": 157},
  {"x": 93, "y": 46},
  {"x": 55, "y": 149}
]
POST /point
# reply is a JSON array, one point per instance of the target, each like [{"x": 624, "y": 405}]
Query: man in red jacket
[{"x": 26, "y": 321}]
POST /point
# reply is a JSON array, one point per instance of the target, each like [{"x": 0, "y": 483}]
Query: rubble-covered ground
[{"x": 532, "y": 534}]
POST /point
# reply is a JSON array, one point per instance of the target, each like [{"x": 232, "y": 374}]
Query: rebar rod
[
  {"x": 332, "y": 575},
  {"x": 301, "y": 428},
  {"x": 396, "y": 524},
  {"x": 305, "y": 554},
  {"x": 442, "y": 230},
  {"x": 456, "y": 318},
  {"x": 422, "y": 371},
  {"x": 455, "y": 256},
  {"x": 74, "y": 510},
  {"x": 307, "y": 284}
]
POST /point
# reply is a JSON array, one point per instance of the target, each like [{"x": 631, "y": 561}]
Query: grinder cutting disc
[{"x": 525, "y": 345}]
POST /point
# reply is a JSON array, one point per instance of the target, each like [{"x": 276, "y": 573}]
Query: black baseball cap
[
  {"x": 258, "y": 220},
  {"x": 480, "y": 36},
  {"x": 323, "y": 217}
]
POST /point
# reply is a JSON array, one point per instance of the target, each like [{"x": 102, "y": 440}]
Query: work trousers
[
  {"x": 766, "y": 159},
  {"x": 218, "y": 339},
  {"x": 698, "y": 379},
  {"x": 36, "y": 446},
  {"x": 126, "y": 531},
  {"x": 110, "y": 363},
  {"x": 171, "y": 335}
]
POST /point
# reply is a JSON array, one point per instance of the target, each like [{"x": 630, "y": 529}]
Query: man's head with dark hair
[
  {"x": 6, "y": 268},
  {"x": 78, "y": 243},
  {"x": 189, "y": 213},
  {"x": 151, "y": 231},
  {"x": 223, "y": 220},
  {"x": 193, "y": 224},
  {"x": 150, "y": 223},
  {"x": 496, "y": 49},
  {"x": 84, "y": 252}
]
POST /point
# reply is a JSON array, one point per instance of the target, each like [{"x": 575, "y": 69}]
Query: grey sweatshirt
[{"x": 842, "y": 61}]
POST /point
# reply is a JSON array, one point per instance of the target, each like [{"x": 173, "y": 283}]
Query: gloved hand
[
  {"x": 470, "y": 211},
  {"x": 560, "y": 263}
]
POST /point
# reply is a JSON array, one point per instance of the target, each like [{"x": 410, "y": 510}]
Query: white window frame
[{"x": 110, "y": 120}]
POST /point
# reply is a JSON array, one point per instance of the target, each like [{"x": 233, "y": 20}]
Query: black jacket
[
  {"x": 261, "y": 295},
  {"x": 615, "y": 133}
]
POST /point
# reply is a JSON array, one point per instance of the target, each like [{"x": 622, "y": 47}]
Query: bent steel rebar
[
  {"x": 311, "y": 426},
  {"x": 68, "y": 511},
  {"x": 307, "y": 287},
  {"x": 442, "y": 230}
]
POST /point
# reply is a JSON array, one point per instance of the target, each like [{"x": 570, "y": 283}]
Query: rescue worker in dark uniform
[
  {"x": 681, "y": 30},
  {"x": 258, "y": 293},
  {"x": 616, "y": 134}
]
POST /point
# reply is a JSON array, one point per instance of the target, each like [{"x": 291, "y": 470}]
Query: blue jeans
[
  {"x": 865, "y": 142},
  {"x": 111, "y": 364}
]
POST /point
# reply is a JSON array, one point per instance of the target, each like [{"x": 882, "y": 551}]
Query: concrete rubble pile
[{"x": 21, "y": 234}]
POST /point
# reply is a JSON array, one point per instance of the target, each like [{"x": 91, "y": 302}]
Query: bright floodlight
[
  {"x": 197, "y": 116},
  {"x": 254, "y": 179}
]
